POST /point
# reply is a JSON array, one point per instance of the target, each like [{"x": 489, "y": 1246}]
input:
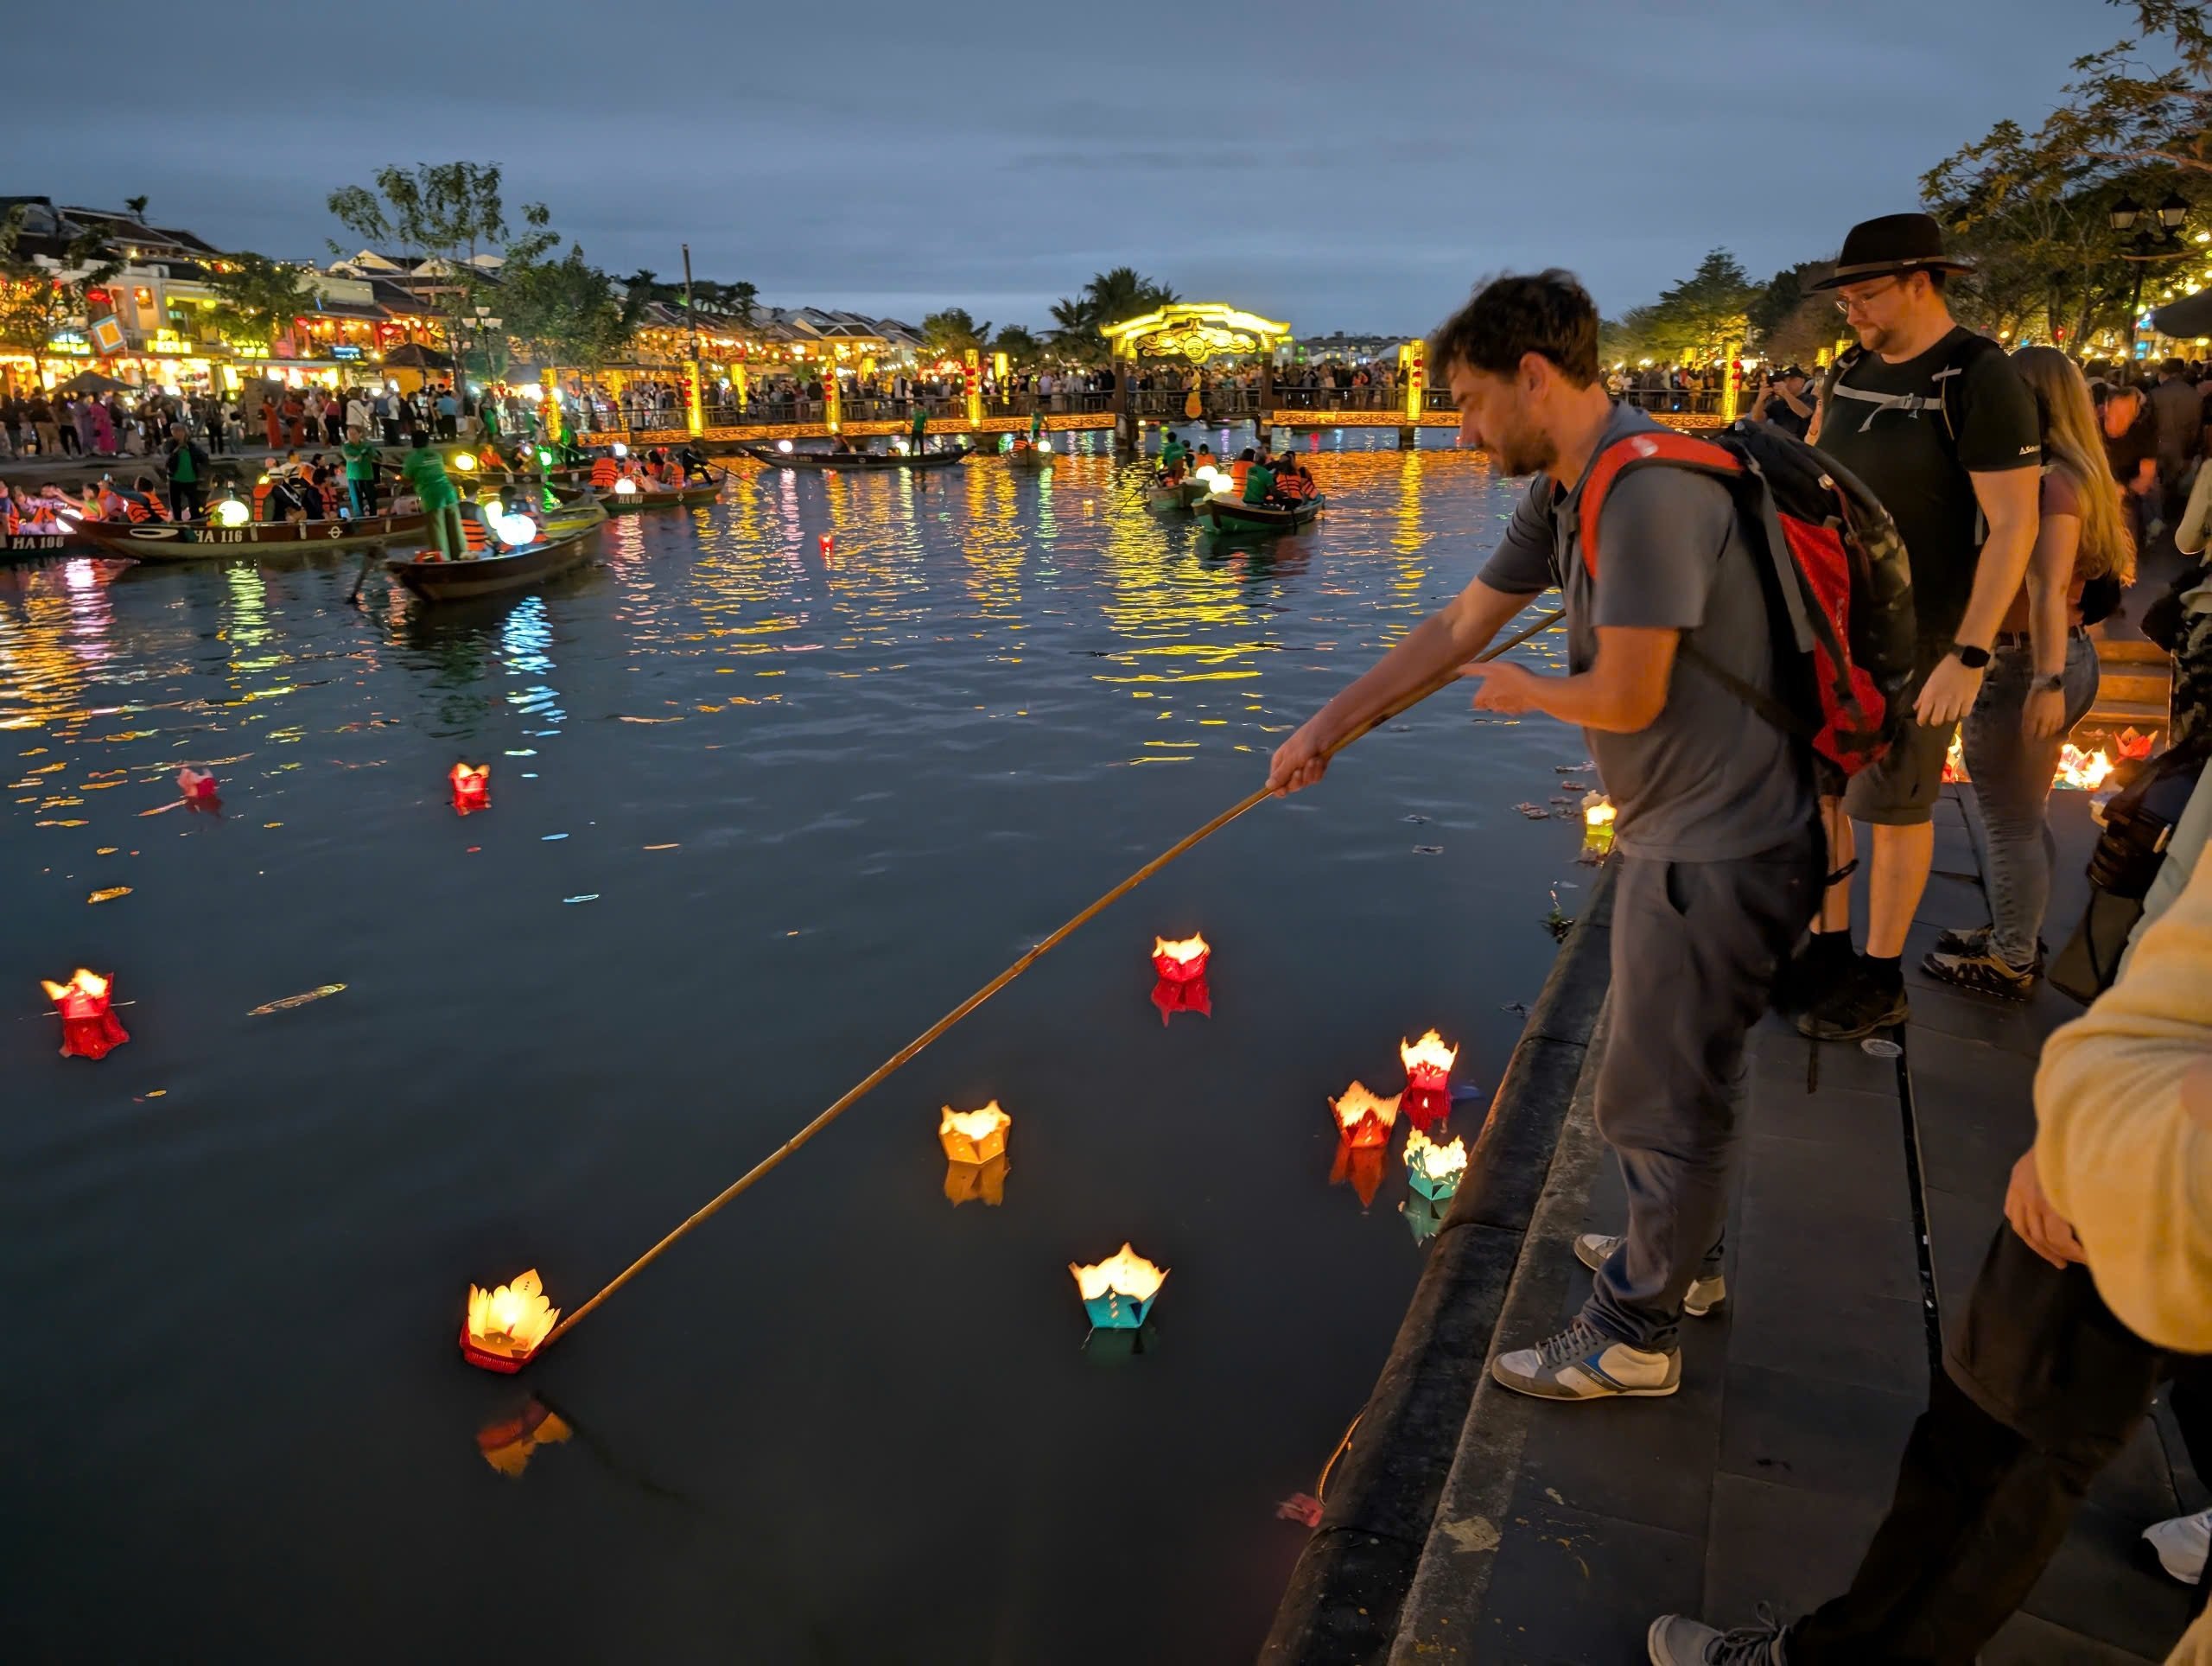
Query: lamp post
[{"x": 2148, "y": 247}]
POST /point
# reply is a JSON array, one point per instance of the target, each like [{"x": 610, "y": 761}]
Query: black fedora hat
[{"x": 1895, "y": 243}]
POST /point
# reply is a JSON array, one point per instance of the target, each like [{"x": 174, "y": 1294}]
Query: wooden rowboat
[
  {"x": 575, "y": 512},
  {"x": 1224, "y": 515},
  {"x": 1030, "y": 458},
  {"x": 854, "y": 460},
  {"x": 1179, "y": 498},
  {"x": 629, "y": 503},
  {"x": 432, "y": 578},
  {"x": 169, "y": 541},
  {"x": 22, "y": 546}
]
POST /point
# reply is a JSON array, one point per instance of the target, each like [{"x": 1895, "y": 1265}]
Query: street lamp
[{"x": 2171, "y": 215}]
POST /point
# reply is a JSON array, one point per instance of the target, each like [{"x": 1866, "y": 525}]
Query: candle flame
[
  {"x": 1127, "y": 1274},
  {"x": 2085, "y": 769},
  {"x": 510, "y": 1319},
  {"x": 86, "y": 985},
  {"x": 1596, "y": 811},
  {"x": 1191, "y": 948}
]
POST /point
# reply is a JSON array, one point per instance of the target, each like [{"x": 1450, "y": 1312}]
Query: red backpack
[{"x": 1835, "y": 568}]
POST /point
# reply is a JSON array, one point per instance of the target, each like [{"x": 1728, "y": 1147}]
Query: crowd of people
[{"x": 1736, "y": 788}]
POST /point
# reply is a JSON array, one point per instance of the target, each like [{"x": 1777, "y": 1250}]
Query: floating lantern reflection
[
  {"x": 983, "y": 1183},
  {"x": 974, "y": 1137},
  {"x": 472, "y": 786},
  {"x": 1434, "y": 1170},
  {"x": 89, "y": 1029},
  {"x": 1424, "y": 1216},
  {"x": 1359, "y": 1166},
  {"x": 1181, "y": 985},
  {"x": 1118, "y": 1292},
  {"x": 1364, "y": 1119},
  {"x": 197, "y": 785},
  {"x": 508, "y": 1444},
  {"x": 506, "y": 1324},
  {"x": 1597, "y": 826},
  {"x": 1427, "y": 1097}
]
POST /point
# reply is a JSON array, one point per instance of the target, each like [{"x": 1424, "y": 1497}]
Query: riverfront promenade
[{"x": 1557, "y": 1533}]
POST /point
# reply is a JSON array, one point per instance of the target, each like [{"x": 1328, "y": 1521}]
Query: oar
[{"x": 852, "y": 1096}]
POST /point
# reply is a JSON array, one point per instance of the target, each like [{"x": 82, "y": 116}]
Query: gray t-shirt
[{"x": 1710, "y": 780}]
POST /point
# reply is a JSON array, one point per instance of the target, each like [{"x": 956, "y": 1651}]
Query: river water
[{"x": 762, "y": 809}]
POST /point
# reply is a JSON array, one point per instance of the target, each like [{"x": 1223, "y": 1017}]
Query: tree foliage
[
  {"x": 567, "y": 312},
  {"x": 1021, "y": 348},
  {"x": 1108, "y": 298},
  {"x": 1697, "y": 319},
  {"x": 256, "y": 298},
  {"x": 37, "y": 300},
  {"x": 453, "y": 211},
  {"x": 954, "y": 332}
]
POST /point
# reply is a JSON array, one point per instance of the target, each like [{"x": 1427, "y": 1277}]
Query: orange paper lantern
[
  {"x": 505, "y": 1326},
  {"x": 1364, "y": 1119},
  {"x": 974, "y": 1137}
]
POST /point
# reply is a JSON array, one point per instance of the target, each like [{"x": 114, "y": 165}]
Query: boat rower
[
  {"x": 1036, "y": 426},
  {"x": 1172, "y": 456},
  {"x": 696, "y": 467},
  {"x": 1259, "y": 480},
  {"x": 920, "y": 440},
  {"x": 425, "y": 473}
]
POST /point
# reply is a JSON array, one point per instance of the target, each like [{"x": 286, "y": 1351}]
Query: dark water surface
[{"x": 845, "y": 1421}]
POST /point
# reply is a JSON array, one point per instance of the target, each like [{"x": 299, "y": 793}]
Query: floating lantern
[
  {"x": 974, "y": 1137},
  {"x": 230, "y": 513},
  {"x": 1118, "y": 1292},
  {"x": 1181, "y": 986},
  {"x": 827, "y": 544},
  {"x": 1597, "y": 826},
  {"x": 1359, "y": 1166},
  {"x": 89, "y": 1029},
  {"x": 983, "y": 1183},
  {"x": 2083, "y": 770},
  {"x": 2132, "y": 745},
  {"x": 197, "y": 785},
  {"x": 1427, "y": 1097},
  {"x": 1434, "y": 1170},
  {"x": 507, "y": 1323},
  {"x": 472, "y": 786},
  {"x": 508, "y": 1444},
  {"x": 1424, "y": 1216},
  {"x": 1364, "y": 1119}
]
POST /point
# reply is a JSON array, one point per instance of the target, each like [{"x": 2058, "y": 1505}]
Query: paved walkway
[{"x": 1564, "y": 1530}]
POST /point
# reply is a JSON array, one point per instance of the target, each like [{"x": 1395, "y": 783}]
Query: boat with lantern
[
  {"x": 1225, "y": 514},
  {"x": 1031, "y": 457},
  {"x": 619, "y": 502},
  {"x": 430, "y": 575},
  {"x": 193, "y": 541},
  {"x": 776, "y": 457}
]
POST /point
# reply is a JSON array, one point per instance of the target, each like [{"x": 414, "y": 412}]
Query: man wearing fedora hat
[{"x": 1936, "y": 421}]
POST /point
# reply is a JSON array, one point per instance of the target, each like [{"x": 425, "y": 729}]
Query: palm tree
[
  {"x": 1125, "y": 292},
  {"x": 137, "y": 207}
]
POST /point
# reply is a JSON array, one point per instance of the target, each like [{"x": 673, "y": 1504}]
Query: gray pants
[
  {"x": 1696, "y": 945},
  {"x": 2012, "y": 778}
]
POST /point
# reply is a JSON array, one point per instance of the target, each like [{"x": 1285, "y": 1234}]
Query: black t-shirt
[
  {"x": 1779, "y": 413},
  {"x": 1885, "y": 424},
  {"x": 2125, "y": 454}
]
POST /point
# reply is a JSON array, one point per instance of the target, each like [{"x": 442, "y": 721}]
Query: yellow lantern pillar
[
  {"x": 1730, "y": 381},
  {"x": 973, "y": 362},
  {"x": 1413, "y": 373},
  {"x": 833, "y": 399},
  {"x": 696, "y": 406},
  {"x": 555, "y": 429},
  {"x": 738, "y": 384}
]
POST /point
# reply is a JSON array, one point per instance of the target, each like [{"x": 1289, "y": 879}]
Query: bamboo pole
[{"x": 874, "y": 1077}]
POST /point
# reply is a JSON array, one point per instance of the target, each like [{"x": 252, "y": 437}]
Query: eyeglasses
[{"x": 1851, "y": 303}]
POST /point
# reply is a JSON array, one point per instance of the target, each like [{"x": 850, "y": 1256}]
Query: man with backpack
[
  {"x": 1938, "y": 425},
  {"x": 1715, "y": 828}
]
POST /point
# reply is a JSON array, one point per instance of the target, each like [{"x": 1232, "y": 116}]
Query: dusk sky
[{"x": 1346, "y": 166}]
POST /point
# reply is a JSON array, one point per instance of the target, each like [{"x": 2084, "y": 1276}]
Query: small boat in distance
[
  {"x": 432, "y": 578},
  {"x": 1225, "y": 514},
  {"x": 776, "y": 457},
  {"x": 1181, "y": 498},
  {"x": 629, "y": 503}
]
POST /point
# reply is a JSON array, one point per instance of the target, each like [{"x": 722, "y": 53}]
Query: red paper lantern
[
  {"x": 1427, "y": 1097},
  {"x": 197, "y": 785},
  {"x": 827, "y": 544},
  {"x": 89, "y": 1029},
  {"x": 472, "y": 787},
  {"x": 1181, "y": 986}
]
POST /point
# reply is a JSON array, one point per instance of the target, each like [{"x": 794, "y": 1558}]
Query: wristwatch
[
  {"x": 1972, "y": 658},
  {"x": 2055, "y": 683}
]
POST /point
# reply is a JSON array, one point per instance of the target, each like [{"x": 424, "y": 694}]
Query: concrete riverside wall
[{"x": 1342, "y": 1604}]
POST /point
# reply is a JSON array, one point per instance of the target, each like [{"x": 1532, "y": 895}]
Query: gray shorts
[{"x": 1901, "y": 790}]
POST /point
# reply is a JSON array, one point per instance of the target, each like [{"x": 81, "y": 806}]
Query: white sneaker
[
  {"x": 1582, "y": 1363},
  {"x": 2181, "y": 1542},
  {"x": 1595, "y": 1250}
]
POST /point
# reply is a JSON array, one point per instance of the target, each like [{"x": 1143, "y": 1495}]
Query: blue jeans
[{"x": 2012, "y": 777}]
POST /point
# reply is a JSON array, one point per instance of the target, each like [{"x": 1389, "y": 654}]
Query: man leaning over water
[{"x": 1715, "y": 819}]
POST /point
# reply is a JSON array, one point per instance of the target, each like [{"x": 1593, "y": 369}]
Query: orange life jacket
[
  {"x": 138, "y": 510},
  {"x": 605, "y": 471},
  {"x": 1237, "y": 471},
  {"x": 478, "y": 535}
]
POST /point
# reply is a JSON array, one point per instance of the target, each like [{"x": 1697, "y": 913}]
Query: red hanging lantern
[
  {"x": 1427, "y": 1097},
  {"x": 89, "y": 1029},
  {"x": 1181, "y": 985},
  {"x": 472, "y": 787}
]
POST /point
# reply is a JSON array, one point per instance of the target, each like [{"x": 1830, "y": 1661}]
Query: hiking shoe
[
  {"x": 1984, "y": 970},
  {"x": 1976, "y": 942},
  {"x": 2181, "y": 1542},
  {"x": 1859, "y": 1006},
  {"x": 1678, "y": 1640},
  {"x": 1595, "y": 1250},
  {"x": 1583, "y": 1363}
]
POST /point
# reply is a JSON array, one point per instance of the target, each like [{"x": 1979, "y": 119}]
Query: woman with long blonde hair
[{"x": 2083, "y": 554}]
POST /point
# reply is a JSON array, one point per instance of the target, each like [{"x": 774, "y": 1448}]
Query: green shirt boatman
[
  {"x": 1172, "y": 454},
  {"x": 921, "y": 426},
  {"x": 1036, "y": 425},
  {"x": 1259, "y": 480}
]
